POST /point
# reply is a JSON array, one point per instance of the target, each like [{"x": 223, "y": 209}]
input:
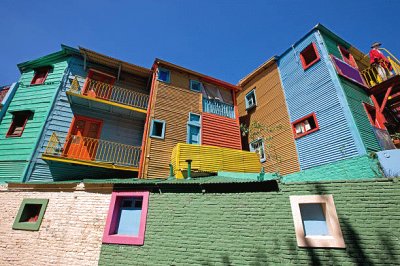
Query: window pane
[
  {"x": 314, "y": 221},
  {"x": 129, "y": 217},
  {"x": 163, "y": 75},
  {"x": 157, "y": 130}
]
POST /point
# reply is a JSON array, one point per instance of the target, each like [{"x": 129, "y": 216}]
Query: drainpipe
[
  {"x": 189, "y": 169},
  {"x": 171, "y": 172},
  {"x": 146, "y": 125}
]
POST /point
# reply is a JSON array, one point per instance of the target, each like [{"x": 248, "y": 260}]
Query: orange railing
[
  {"x": 111, "y": 93},
  {"x": 94, "y": 150}
]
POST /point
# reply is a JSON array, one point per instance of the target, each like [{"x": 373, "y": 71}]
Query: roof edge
[{"x": 258, "y": 70}]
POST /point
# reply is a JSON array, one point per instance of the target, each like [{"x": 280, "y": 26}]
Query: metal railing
[
  {"x": 104, "y": 91},
  {"x": 376, "y": 74},
  {"x": 219, "y": 108},
  {"x": 93, "y": 150}
]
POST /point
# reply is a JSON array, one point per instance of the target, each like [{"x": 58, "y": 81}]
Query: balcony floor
[
  {"x": 89, "y": 163},
  {"x": 107, "y": 106}
]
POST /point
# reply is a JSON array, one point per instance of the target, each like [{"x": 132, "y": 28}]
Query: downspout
[
  {"x": 237, "y": 117},
  {"x": 146, "y": 125},
  {"x": 28, "y": 170}
]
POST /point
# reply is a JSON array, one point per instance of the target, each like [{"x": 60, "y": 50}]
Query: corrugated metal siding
[
  {"x": 171, "y": 104},
  {"x": 212, "y": 159},
  {"x": 12, "y": 170},
  {"x": 220, "y": 131},
  {"x": 355, "y": 97},
  {"x": 271, "y": 111},
  {"x": 313, "y": 90},
  {"x": 37, "y": 98},
  {"x": 115, "y": 128}
]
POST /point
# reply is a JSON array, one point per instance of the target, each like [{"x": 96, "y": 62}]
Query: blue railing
[{"x": 218, "y": 108}]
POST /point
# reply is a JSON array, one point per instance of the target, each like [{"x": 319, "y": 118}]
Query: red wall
[{"x": 220, "y": 131}]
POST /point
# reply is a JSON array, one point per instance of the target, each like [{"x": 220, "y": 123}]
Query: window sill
[
  {"x": 251, "y": 107},
  {"x": 311, "y": 64}
]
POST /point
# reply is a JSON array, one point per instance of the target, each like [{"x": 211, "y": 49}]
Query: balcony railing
[
  {"x": 93, "y": 150},
  {"x": 375, "y": 75},
  {"x": 111, "y": 93},
  {"x": 219, "y": 108}
]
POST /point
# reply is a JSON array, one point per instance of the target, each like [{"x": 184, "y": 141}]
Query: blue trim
[
  {"x": 194, "y": 82},
  {"x": 188, "y": 136},
  {"x": 248, "y": 106},
  {"x": 163, "y": 129},
  {"x": 195, "y": 122},
  {"x": 168, "y": 75},
  {"x": 341, "y": 96}
]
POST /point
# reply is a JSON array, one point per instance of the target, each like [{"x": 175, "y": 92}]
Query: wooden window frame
[
  {"x": 112, "y": 219},
  {"x": 37, "y": 71},
  {"x": 351, "y": 61},
  {"x": 248, "y": 107},
  {"x": 30, "y": 226},
  {"x": 168, "y": 76},
  {"x": 335, "y": 238},
  {"x": 86, "y": 118},
  {"x": 192, "y": 82},
  {"x": 163, "y": 129},
  {"x": 314, "y": 116},
  {"x": 27, "y": 114},
  {"x": 303, "y": 61}
]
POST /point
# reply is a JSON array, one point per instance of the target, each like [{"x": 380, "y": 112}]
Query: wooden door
[
  {"x": 83, "y": 140},
  {"x": 98, "y": 85}
]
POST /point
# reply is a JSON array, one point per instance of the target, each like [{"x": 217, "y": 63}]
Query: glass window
[
  {"x": 164, "y": 75},
  {"x": 258, "y": 147},
  {"x": 30, "y": 214},
  {"x": 313, "y": 218},
  {"x": 305, "y": 125},
  {"x": 196, "y": 85},
  {"x": 251, "y": 99},
  {"x": 18, "y": 123},
  {"x": 126, "y": 219},
  {"x": 157, "y": 129}
]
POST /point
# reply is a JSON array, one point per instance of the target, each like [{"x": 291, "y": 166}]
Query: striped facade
[
  {"x": 17, "y": 152},
  {"x": 271, "y": 111},
  {"x": 172, "y": 102},
  {"x": 317, "y": 90}
]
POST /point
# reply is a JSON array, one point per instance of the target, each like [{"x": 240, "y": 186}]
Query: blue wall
[
  {"x": 115, "y": 128},
  {"x": 316, "y": 90}
]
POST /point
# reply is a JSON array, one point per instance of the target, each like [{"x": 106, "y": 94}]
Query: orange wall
[
  {"x": 220, "y": 131},
  {"x": 271, "y": 110}
]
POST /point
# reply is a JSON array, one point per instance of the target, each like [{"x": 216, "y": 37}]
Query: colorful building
[
  {"x": 6, "y": 95},
  {"x": 327, "y": 99}
]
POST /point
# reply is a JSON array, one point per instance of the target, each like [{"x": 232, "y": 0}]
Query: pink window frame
[
  {"x": 303, "y": 61},
  {"x": 314, "y": 116},
  {"x": 351, "y": 61},
  {"x": 112, "y": 219},
  {"x": 334, "y": 240}
]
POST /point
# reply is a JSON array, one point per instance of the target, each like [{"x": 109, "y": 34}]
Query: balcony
[
  {"x": 206, "y": 160},
  {"x": 373, "y": 76},
  {"x": 92, "y": 152},
  {"x": 108, "y": 97},
  {"x": 217, "y": 107}
]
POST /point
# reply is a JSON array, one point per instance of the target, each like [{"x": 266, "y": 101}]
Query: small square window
[
  {"x": 258, "y": 147},
  {"x": 309, "y": 56},
  {"x": 316, "y": 222},
  {"x": 18, "y": 123},
  {"x": 157, "y": 129},
  {"x": 40, "y": 75},
  {"x": 164, "y": 75},
  {"x": 347, "y": 56},
  {"x": 126, "y": 220},
  {"x": 305, "y": 125},
  {"x": 196, "y": 85},
  {"x": 30, "y": 214},
  {"x": 251, "y": 99},
  {"x": 194, "y": 119}
]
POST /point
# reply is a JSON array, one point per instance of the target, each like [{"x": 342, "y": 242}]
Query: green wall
[
  {"x": 16, "y": 152},
  {"x": 355, "y": 96},
  {"x": 257, "y": 228}
]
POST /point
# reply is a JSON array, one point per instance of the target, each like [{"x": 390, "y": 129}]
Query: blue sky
[{"x": 224, "y": 39}]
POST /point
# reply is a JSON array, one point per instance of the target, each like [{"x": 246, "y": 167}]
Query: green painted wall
[
  {"x": 257, "y": 228},
  {"x": 355, "y": 96},
  {"x": 357, "y": 168},
  {"x": 16, "y": 152}
]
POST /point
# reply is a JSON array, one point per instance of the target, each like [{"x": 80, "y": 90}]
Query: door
[
  {"x": 83, "y": 140},
  {"x": 98, "y": 85}
]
